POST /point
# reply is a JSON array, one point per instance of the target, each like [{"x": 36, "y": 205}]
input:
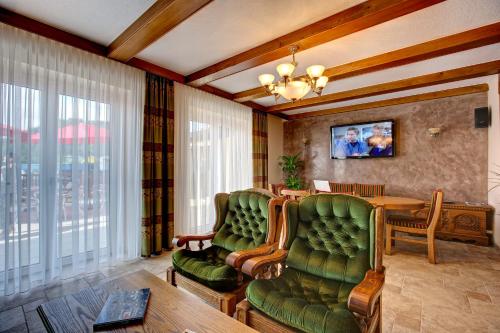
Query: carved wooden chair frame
[
  {"x": 226, "y": 301},
  {"x": 365, "y": 300}
]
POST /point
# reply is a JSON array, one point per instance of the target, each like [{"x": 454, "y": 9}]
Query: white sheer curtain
[
  {"x": 70, "y": 152},
  {"x": 213, "y": 153}
]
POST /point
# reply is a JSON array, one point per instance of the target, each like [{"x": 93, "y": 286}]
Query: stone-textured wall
[
  {"x": 456, "y": 161},
  {"x": 275, "y": 148}
]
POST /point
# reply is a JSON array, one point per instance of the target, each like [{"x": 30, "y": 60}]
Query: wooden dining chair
[
  {"x": 295, "y": 194},
  {"x": 416, "y": 226},
  {"x": 276, "y": 188},
  {"x": 369, "y": 190},
  {"x": 345, "y": 188}
]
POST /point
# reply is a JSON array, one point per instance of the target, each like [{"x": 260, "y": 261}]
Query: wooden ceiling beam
[
  {"x": 457, "y": 74},
  {"x": 155, "y": 69},
  {"x": 160, "y": 18},
  {"x": 466, "y": 40},
  {"x": 395, "y": 101},
  {"x": 356, "y": 18}
]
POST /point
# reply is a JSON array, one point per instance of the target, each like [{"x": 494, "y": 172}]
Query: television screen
[{"x": 363, "y": 140}]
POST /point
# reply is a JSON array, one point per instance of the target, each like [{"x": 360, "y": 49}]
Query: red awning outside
[
  {"x": 10, "y": 132},
  {"x": 80, "y": 132}
]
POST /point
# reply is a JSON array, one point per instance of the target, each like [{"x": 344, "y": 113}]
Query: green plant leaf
[{"x": 290, "y": 165}]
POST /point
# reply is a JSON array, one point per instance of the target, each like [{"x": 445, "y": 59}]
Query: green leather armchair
[
  {"x": 326, "y": 276},
  {"x": 246, "y": 224}
]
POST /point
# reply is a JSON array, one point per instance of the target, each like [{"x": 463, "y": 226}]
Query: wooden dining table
[{"x": 396, "y": 203}]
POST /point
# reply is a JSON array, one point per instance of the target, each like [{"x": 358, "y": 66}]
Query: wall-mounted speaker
[{"x": 482, "y": 117}]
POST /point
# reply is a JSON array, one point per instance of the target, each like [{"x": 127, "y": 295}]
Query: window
[
  {"x": 70, "y": 154},
  {"x": 19, "y": 174},
  {"x": 213, "y": 154}
]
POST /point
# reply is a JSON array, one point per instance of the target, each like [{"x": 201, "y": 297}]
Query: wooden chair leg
[
  {"x": 171, "y": 276},
  {"x": 378, "y": 328},
  {"x": 388, "y": 239},
  {"x": 242, "y": 310},
  {"x": 374, "y": 324},
  {"x": 227, "y": 305},
  {"x": 431, "y": 249}
]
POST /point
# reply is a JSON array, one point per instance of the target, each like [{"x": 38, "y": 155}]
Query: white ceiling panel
[
  {"x": 100, "y": 21},
  {"x": 446, "y": 18},
  {"x": 405, "y": 93},
  {"x": 225, "y": 28}
]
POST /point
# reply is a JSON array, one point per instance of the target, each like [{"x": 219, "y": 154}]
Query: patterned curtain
[
  {"x": 259, "y": 147},
  {"x": 157, "y": 166}
]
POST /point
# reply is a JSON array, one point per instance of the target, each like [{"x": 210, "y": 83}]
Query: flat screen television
[{"x": 363, "y": 140}]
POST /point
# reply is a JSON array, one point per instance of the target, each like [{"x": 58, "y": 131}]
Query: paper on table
[{"x": 322, "y": 185}]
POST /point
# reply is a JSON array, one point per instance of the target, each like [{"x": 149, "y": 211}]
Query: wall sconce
[{"x": 434, "y": 131}]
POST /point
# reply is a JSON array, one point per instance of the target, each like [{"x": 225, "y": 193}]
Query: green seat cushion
[
  {"x": 207, "y": 266},
  {"x": 331, "y": 237},
  {"x": 245, "y": 223},
  {"x": 304, "y": 301}
]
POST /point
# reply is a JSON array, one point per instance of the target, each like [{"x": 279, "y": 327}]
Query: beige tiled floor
[{"x": 459, "y": 294}]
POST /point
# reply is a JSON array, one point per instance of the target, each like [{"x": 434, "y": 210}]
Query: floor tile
[
  {"x": 33, "y": 305},
  {"x": 34, "y": 322},
  {"x": 490, "y": 313},
  {"x": 21, "y": 328},
  {"x": 12, "y": 301},
  {"x": 388, "y": 320},
  {"x": 94, "y": 278},
  {"x": 478, "y": 296},
  {"x": 12, "y": 319},
  {"x": 66, "y": 287},
  {"x": 404, "y": 324},
  {"x": 401, "y": 304},
  {"x": 436, "y": 317}
]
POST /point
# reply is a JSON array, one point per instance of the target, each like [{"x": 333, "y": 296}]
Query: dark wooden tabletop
[{"x": 169, "y": 309}]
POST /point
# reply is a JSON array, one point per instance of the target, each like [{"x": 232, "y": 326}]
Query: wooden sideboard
[{"x": 460, "y": 221}]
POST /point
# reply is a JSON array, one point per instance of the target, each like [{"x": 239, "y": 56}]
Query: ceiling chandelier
[{"x": 292, "y": 88}]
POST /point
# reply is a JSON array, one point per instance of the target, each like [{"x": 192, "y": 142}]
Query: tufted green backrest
[
  {"x": 331, "y": 236},
  {"x": 243, "y": 220}
]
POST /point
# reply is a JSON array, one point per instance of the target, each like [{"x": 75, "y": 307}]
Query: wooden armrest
[
  {"x": 183, "y": 239},
  {"x": 279, "y": 200},
  {"x": 236, "y": 259},
  {"x": 253, "y": 265},
  {"x": 365, "y": 295}
]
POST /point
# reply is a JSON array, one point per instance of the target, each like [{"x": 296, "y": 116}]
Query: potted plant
[{"x": 290, "y": 165}]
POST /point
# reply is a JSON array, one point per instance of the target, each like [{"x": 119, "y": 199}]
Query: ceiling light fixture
[{"x": 290, "y": 88}]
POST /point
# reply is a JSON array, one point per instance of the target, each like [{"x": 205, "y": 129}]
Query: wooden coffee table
[{"x": 169, "y": 309}]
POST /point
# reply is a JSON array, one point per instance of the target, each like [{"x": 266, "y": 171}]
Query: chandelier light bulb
[
  {"x": 285, "y": 70},
  {"x": 322, "y": 81},
  {"x": 294, "y": 90},
  {"x": 266, "y": 79},
  {"x": 315, "y": 71}
]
